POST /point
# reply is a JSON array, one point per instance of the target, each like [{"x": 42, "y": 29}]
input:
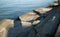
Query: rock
[
  {"x": 5, "y": 25},
  {"x": 54, "y": 4},
  {"x": 36, "y": 22},
  {"x": 58, "y": 32},
  {"x": 26, "y": 24},
  {"x": 42, "y": 10},
  {"x": 29, "y": 16}
]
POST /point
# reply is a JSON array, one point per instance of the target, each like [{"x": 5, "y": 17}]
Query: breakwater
[{"x": 41, "y": 22}]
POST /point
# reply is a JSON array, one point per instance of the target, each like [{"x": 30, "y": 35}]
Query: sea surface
[{"x": 14, "y": 8}]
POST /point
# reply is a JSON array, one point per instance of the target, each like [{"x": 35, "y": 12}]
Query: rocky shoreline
[{"x": 28, "y": 25}]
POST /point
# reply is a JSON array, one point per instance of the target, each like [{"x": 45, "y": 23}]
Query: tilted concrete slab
[
  {"x": 42, "y": 10},
  {"x": 28, "y": 16}
]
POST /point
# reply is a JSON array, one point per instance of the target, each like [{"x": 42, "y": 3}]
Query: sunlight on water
[{"x": 14, "y": 8}]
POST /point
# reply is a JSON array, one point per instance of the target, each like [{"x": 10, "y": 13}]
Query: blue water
[{"x": 14, "y": 8}]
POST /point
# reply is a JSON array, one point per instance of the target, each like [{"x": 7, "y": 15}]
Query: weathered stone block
[{"x": 26, "y": 24}]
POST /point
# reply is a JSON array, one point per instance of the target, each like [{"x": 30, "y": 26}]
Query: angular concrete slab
[
  {"x": 42, "y": 10},
  {"x": 29, "y": 16}
]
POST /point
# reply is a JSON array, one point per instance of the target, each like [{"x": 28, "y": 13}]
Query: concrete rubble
[
  {"x": 32, "y": 25},
  {"x": 58, "y": 32}
]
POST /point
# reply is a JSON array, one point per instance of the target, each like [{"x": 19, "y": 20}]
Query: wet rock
[
  {"x": 48, "y": 28},
  {"x": 42, "y": 10},
  {"x": 56, "y": 1},
  {"x": 5, "y": 25},
  {"x": 59, "y": 2},
  {"x": 29, "y": 24},
  {"x": 53, "y": 5},
  {"x": 29, "y": 16}
]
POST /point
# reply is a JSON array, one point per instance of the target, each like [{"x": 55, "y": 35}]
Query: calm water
[{"x": 14, "y": 8}]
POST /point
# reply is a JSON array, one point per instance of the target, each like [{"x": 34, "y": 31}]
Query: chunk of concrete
[
  {"x": 5, "y": 25},
  {"x": 29, "y": 16},
  {"x": 48, "y": 28},
  {"x": 54, "y": 4},
  {"x": 26, "y": 24},
  {"x": 42, "y": 10},
  {"x": 59, "y": 2},
  {"x": 58, "y": 32}
]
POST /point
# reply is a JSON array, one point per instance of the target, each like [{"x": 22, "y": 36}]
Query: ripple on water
[{"x": 14, "y": 8}]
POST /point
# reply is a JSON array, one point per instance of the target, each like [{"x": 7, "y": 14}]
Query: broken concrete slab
[
  {"x": 28, "y": 16},
  {"x": 42, "y": 10},
  {"x": 5, "y": 25}
]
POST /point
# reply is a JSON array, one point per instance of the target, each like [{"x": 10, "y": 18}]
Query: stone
[
  {"x": 54, "y": 4},
  {"x": 36, "y": 22},
  {"x": 48, "y": 28},
  {"x": 59, "y": 2},
  {"x": 29, "y": 24},
  {"x": 58, "y": 32},
  {"x": 26, "y": 24},
  {"x": 42, "y": 10},
  {"x": 5, "y": 25},
  {"x": 28, "y": 16}
]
